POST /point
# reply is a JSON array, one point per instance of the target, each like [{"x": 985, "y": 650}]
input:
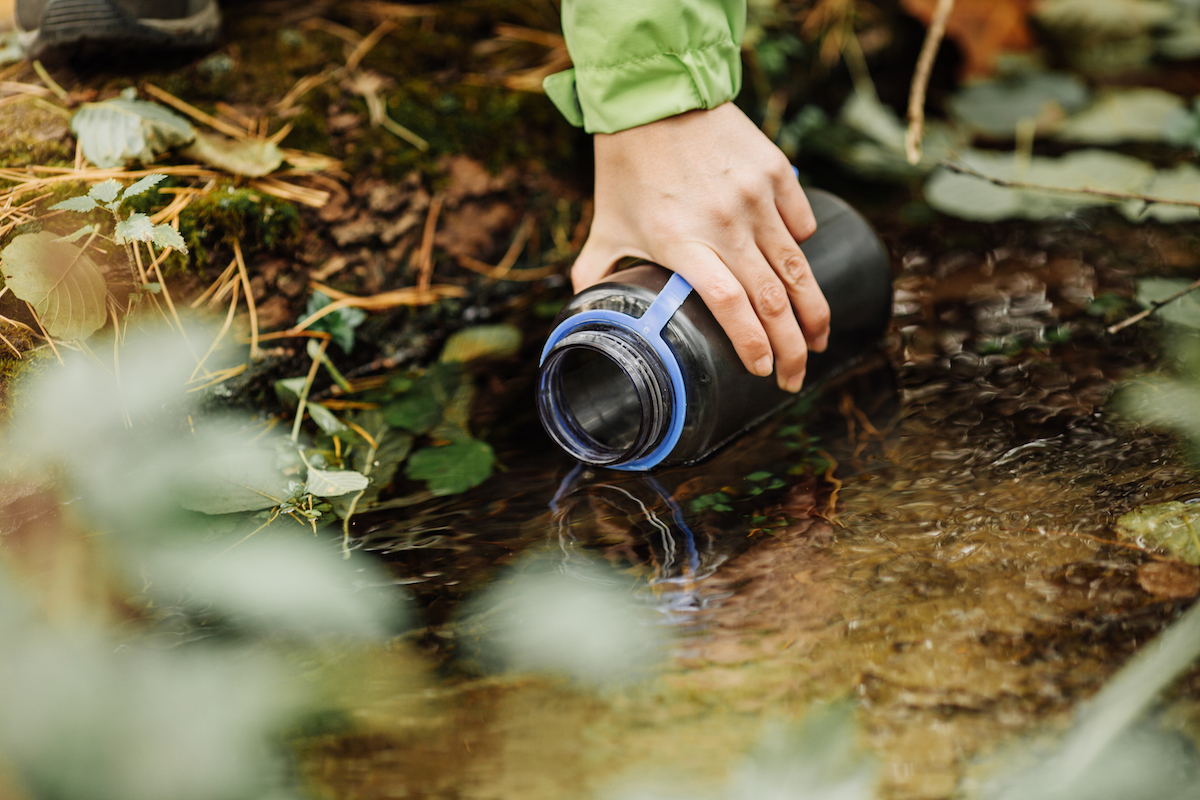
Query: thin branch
[
  {"x": 920, "y": 81},
  {"x": 964, "y": 170},
  {"x": 51, "y": 84},
  {"x": 308, "y": 382},
  {"x": 1154, "y": 306},
  {"x": 425, "y": 255},
  {"x": 255, "y": 353}
]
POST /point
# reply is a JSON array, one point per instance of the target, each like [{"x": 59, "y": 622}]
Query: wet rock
[{"x": 1169, "y": 580}]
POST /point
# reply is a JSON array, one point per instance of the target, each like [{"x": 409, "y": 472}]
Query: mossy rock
[
  {"x": 33, "y": 134},
  {"x": 1173, "y": 526}
]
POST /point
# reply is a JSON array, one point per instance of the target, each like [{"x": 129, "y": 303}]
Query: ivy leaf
[
  {"x": 144, "y": 185},
  {"x": 163, "y": 235},
  {"x": 333, "y": 483},
  {"x": 79, "y": 203},
  {"x": 64, "y": 285},
  {"x": 125, "y": 129},
  {"x": 138, "y": 228},
  {"x": 452, "y": 468},
  {"x": 105, "y": 192}
]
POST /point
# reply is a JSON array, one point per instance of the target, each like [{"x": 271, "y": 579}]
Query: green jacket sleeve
[{"x": 637, "y": 61}]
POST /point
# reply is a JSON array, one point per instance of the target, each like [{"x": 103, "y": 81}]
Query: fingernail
[
  {"x": 795, "y": 383},
  {"x": 822, "y": 343},
  {"x": 763, "y": 366}
]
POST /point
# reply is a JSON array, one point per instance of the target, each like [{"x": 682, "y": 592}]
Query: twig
[
  {"x": 1154, "y": 306},
  {"x": 255, "y": 353},
  {"x": 220, "y": 334},
  {"x": 218, "y": 283},
  {"x": 195, "y": 113},
  {"x": 308, "y": 381},
  {"x": 42, "y": 328},
  {"x": 920, "y": 81},
  {"x": 425, "y": 257},
  {"x": 368, "y": 44},
  {"x": 964, "y": 170},
  {"x": 514, "y": 249},
  {"x": 51, "y": 84}
]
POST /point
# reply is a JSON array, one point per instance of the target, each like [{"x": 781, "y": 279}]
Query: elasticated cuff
[{"x": 611, "y": 98}]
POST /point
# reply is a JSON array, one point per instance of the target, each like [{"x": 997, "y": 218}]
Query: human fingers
[
  {"x": 792, "y": 204},
  {"x": 773, "y": 304},
  {"x": 726, "y": 299},
  {"x": 789, "y": 263},
  {"x": 595, "y": 260}
]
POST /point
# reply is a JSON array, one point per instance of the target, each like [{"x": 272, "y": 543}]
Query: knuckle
[
  {"x": 793, "y": 268},
  {"x": 772, "y": 299},
  {"x": 725, "y": 294}
]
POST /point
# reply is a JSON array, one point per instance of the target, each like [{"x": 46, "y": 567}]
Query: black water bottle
[{"x": 638, "y": 373}]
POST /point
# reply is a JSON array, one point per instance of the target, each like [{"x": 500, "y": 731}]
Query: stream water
[{"x": 930, "y": 541}]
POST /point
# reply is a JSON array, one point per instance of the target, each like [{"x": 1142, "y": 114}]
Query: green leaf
[
  {"x": 758, "y": 476},
  {"x": 105, "y": 192},
  {"x": 239, "y": 479},
  {"x": 144, "y": 185},
  {"x": 456, "y": 416},
  {"x": 163, "y": 235},
  {"x": 77, "y": 234},
  {"x": 378, "y": 463},
  {"x": 995, "y": 107},
  {"x": 78, "y": 203},
  {"x": 64, "y": 285},
  {"x": 482, "y": 341},
  {"x": 125, "y": 129},
  {"x": 1123, "y": 115},
  {"x": 333, "y": 483},
  {"x": 1173, "y": 526},
  {"x": 326, "y": 420},
  {"x": 422, "y": 406},
  {"x": 1182, "y": 311},
  {"x": 968, "y": 197},
  {"x": 452, "y": 468},
  {"x": 254, "y": 158},
  {"x": 340, "y": 324},
  {"x": 138, "y": 228},
  {"x": 288, "y": 390},
  {"x": 1181, "y": 183}
]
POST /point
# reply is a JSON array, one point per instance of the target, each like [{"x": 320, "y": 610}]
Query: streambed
[{"x": 944, "y": 560}]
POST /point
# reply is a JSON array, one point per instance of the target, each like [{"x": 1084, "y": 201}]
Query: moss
[
  {"x": 256, "y": 220},
  {"x": 33, "y": 134}
]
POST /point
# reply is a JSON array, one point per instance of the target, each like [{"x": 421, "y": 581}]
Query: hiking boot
[{"x": 70, "y": 25}]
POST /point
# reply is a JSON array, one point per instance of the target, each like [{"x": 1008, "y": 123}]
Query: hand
[{"x": 708, "y": 196}]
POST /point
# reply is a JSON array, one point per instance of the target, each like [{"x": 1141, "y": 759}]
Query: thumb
[{"x": 594, "y": 262}]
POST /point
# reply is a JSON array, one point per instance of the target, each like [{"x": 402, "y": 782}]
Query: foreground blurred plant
[{"x": 147, "y": 651}]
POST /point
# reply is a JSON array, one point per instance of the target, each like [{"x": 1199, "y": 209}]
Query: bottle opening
[
  {"x": 604, "y": 396},
  {"x": 601, "y": 399}
]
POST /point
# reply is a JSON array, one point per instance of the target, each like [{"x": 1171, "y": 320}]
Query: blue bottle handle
[{"x": 648, "y": 327}]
